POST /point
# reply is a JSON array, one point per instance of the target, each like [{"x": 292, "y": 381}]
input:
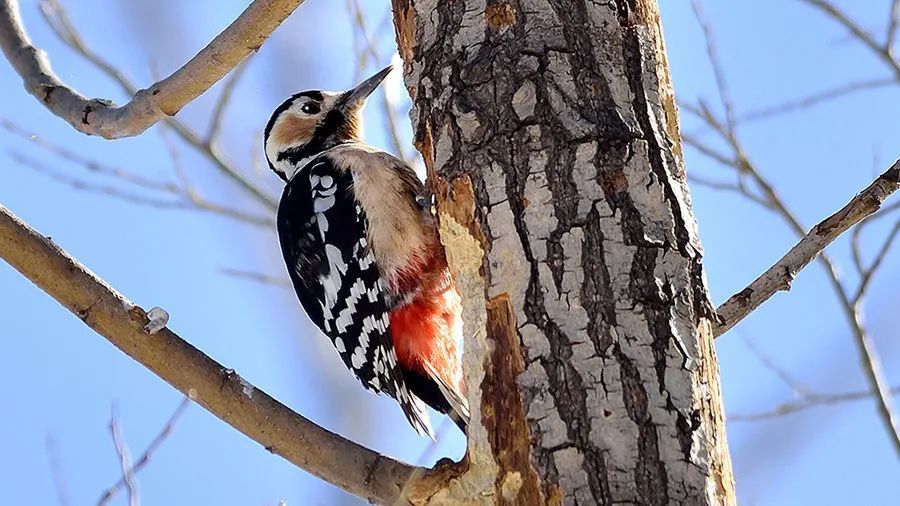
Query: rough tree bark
[{"x": 550, "y": 135}]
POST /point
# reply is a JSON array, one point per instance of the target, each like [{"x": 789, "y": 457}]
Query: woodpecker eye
[{"x": 310, "y": 108}]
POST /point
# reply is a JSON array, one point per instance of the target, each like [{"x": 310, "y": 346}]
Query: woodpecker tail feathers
[
  {"x": 458, "y": 402},
  {"x": 417, "y": 414}
]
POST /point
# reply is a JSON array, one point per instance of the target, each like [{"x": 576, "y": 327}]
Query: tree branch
[
  {"x": 780, "y": 275},
  {"x": 221, "y": 391},
  {"x": 882, "y": 51},
  {"x": 816, "y": 98},
  {"x": 124, "y": 454},
  {"x": 218, "y": 114},
  {"x": 56, "y": 471},
  {"x": 59, "y": 22},
  {"x": 144, "y": 459},
  {"x": 870, "y": 362},
  {"x": 165, "y": 98},
  {"x": 807, "y": 402}
]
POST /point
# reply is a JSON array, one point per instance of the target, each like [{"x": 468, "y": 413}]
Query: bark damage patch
[
  {"x": 455, "y": 199},
  {"x": 503, "y": 413},
  {"x": 500, "y": 15},
  {"x": 405, "y": 29}
]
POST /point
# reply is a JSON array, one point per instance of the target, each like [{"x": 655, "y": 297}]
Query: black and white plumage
[
  {"x": 323, "y": 233},
  {"x": 362, "y": 250}
]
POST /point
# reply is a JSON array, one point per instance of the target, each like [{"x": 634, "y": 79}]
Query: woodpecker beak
[{"x": 354, "y": 99}]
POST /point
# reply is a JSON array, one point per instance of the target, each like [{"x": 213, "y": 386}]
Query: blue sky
[{"x": 61, "y": 378}]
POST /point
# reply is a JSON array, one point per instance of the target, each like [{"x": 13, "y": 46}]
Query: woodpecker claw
[{"x": 425, "y": 201}]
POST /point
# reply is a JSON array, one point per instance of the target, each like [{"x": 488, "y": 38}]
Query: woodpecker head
[{"x": 311, "y": 121}]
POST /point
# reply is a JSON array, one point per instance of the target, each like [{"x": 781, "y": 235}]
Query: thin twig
[
  {"x": 806, "y": 397},
  {"x": 56, "y": 471},
  {"x": 183, "y": 200},
  {"x": 893, "y": 24},
  {"x": 807, "y": 403},
  {"x": 59, "y": 21},
  {"x": 788, "y": 379},
  {"x": 707, "y": 151},
  {"x": 81, "y": 185},
  {"x": 815, "y": 99},
  {"x": 87, "y": 163},
  {"x": 215, "y": 123},
  {"x": 861, "y": 35},
  {"x": 257, "y": 277},
  {"x": 867, "y": 274},
  {"x": 124, "y": 454},
  {"x": 780, "y": 275},
  {"x": 856, "y": 235},
  {"x": 145, "y": 457},
  {"x": 718, "y": 72},
  {"x": 738, "y": 188},
  {"x": 190, "y": 194},
  {"x": 370, "y": 47}
]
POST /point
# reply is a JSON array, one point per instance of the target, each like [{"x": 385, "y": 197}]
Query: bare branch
[
  {"x": 187, "y": 192},
  {"x": 258, "y": 277},
  {"x": 184, "y": 198},
  {"x": 706, "y": 150},
  {"x": 165, "y": 98},
  {"x": 187, "y": 197},
  {"x": 215, "y": 124},
  {"x": 56, "y": 471},
  {"x": 221, "y": 391},
  {"x": 807, "y": 398},
  {"x": 816, "y": 99},
  {"x": 779, "y": 276},
  {"x": 856, "y": 235},
  {"x": 124, "y": 454},
  {"x": 87, "y": 163},
  {"x": 81, "y": 185},
  {"x": 370, "y": 48},
  {"x": 867, "y": 274},
  {"x": 893, "y": 24},
  {"x": 813, "y": 401},
  {"x": 739, "y": 188},
  {"x": 797, "y": 387},
  {"x": 144, "y": 459},
  {"x": 718, "y": 72},
  {"x": 58, "y": 20},
  {"x": 864, "y": 37}
]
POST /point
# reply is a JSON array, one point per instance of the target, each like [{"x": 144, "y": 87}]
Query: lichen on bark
[{"x": 550, "y": 135}]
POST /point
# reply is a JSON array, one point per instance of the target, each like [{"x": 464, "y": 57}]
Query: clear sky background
[{"x": 60, "y": 379}]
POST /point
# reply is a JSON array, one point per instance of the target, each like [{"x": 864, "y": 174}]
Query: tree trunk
[{"x": 550, "y": 135}]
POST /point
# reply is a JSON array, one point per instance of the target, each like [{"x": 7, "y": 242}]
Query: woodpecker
[{"x": 361, "y": 246}]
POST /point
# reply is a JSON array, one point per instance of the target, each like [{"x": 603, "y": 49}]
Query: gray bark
[{"x": 550, "y": 135}]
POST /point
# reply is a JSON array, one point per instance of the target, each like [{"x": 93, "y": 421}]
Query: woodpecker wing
[{"x": 323, "y": 233}]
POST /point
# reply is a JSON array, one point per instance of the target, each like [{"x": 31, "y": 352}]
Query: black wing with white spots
[{"x": 322, "y": 231}]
